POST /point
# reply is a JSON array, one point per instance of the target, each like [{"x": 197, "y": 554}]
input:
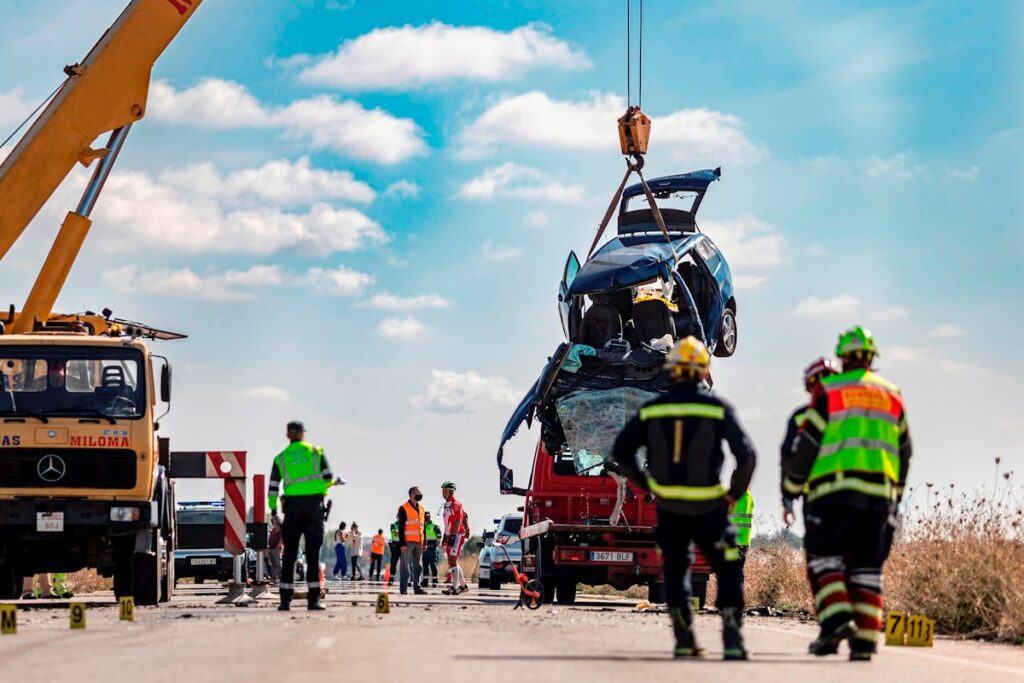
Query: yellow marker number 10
[
  {"x": 127, "y": 608},
  {"x": 76, "y": 613}
]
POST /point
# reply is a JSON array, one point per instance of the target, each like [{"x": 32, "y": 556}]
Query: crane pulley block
[{"x": 634, "y": 132}]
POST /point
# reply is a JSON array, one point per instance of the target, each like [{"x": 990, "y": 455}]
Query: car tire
[
  {"x": 484, "y": 584},
  {"x": 494, "y": 582},
  {"x": 656, "y": 593},
  {"x": 727, "y": 334},
  {"x": 566, "y": 592},
  {"x": 198, "y": 580},
  {"x": 10, "y": 582}
]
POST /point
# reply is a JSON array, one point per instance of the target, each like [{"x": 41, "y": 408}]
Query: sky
[{"x": 359, "y": 213}]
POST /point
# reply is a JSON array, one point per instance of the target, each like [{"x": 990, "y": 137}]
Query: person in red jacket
[{"x": 456, "y": 531}]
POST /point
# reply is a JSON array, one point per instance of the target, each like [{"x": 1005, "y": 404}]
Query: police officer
[
  {"x": 432, "y": 534},
  {"x": 396, "y": 552},
  {"x": 742, "y": 520},
  {"x": 850, "y": 462},
  {"x": 683, "y": 432},
  {"x": 306, "y": 476}
]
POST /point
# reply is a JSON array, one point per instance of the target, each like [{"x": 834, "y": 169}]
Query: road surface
[{"x": 477, "y": 636}]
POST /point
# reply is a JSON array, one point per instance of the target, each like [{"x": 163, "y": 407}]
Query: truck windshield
[{"x": 70, "y": 381}]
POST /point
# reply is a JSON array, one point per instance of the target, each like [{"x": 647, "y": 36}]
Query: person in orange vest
[
  {"x": 377, "y": 546},
  {"x": 411, "y": 530}
]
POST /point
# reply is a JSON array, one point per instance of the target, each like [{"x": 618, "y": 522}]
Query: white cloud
[
  {"x": 913, "y": 355},
  {"x": 321, "y": 121},
  {"x": 896, "y": 167},
  {"x": 402, "y": 189},
  {"x": 13, "y": 110},
  {"x": 278, "y": 183},
  {"x": 892, "y": 313},
  {"x": 500, "y": 252},
  {"x": 138, "y": 209},
  {"x": 523, "y": 182},
  {"x": 184, "y": 283},
  {"x": 533, "y": 118},
  {"x": 264, "y": 392},
  {"x": 340, "y": 282},
  {"x": 968, "y": 174},
  {"x": 748, "y": 281},
  {"x": 390, "y": 302},
  {"x": 410, "y": 57},
  {"x": 746, "y": 241},
  {"x": 401, "y": 328},
  {"x": 469, "y": 392},
  {"x": 842, "y": 306},
  {"x": 946, "y": 331},
  {"x": 537, "y": 219}
]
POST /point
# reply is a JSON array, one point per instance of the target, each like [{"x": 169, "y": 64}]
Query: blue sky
[{"x": 359, "y": 213}]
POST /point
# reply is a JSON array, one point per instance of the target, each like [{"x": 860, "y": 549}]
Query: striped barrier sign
[{"x": 226, "y": 465}]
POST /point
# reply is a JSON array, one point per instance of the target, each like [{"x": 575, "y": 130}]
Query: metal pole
[{"x": 102, "y": 172}]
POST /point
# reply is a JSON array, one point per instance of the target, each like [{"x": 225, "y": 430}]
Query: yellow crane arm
[{"x": 106, "y": 92}]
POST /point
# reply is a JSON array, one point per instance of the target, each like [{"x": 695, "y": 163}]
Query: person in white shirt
[{"x": 355, "y": 541}]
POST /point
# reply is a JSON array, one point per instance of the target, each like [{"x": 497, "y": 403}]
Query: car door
[{"x": 566, "y": 308}]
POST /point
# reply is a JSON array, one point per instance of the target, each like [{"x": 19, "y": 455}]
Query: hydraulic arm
[{"x": 106, "y": 92}]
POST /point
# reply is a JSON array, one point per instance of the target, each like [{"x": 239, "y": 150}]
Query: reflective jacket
[
  {"x": 377, "y": 544},
  {"x": 411, "y": 522},
  {"x": 302, "y": 469},
  {"x": 433, "y": 532},
  {"x": 742, "y": 519},
  {"x": 683, "y": 432},
  {"x": 854, "y": 445},
  {"x": 394, "y": 532}
]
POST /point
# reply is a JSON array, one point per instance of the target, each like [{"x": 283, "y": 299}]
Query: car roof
[{"x": 630, "y": 260}]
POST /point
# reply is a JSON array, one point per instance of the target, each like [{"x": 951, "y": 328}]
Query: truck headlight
[{"x": 124, "y": 514}]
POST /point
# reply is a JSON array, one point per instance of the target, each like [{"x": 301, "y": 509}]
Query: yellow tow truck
[{"x": 83, "y": 474}]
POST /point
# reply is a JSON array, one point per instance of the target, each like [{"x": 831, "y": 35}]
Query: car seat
[
  {"x": 112, "y": 386},
  {"x": 601, "y": 323},
  {"x": 652, "y": 319}
]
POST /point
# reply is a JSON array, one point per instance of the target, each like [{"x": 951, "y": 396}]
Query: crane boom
[{"x": 106, "y": 92}]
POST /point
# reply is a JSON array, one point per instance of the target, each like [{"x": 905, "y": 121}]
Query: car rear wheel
[
  {"x": 10, "y": 582},
  {"x": 656, "y": 593},
  {"x": 566, "y": 592},
  {"x": 727, "y": 334},
  {"x": 484, "y": 583}
]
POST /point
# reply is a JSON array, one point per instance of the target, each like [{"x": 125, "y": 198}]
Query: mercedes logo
[{"x": 51, "y": 468}]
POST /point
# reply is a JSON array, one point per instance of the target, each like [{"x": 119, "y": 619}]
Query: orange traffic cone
[{"x": 387, "y": 578}]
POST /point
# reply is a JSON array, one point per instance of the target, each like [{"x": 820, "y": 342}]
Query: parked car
[
  {"x": 200, "y": 550},
  {"x": 501, "y": 546}
]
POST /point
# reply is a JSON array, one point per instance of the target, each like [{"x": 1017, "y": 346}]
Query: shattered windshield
[
  {"x": 592, "y": 419},
  {"x": 72, "y": 381},
  {"x": 680, "y": 199}
]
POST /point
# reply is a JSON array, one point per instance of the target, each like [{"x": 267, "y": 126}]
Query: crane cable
[
  {"x": 629, "y": 56},
  {"x": 34, "y": 112}
]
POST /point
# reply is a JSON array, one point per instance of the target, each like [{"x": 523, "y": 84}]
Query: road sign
[
  {"x": 126, "y": 608},
  {"x": 76, "y": 613},
  {"x": 383, "y": 604}
]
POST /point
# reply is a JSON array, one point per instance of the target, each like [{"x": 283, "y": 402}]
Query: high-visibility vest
[
  {"x": 377, "y": 545},
  {"x": 300, "y": 468},
  {"x": 860, "y": 448},
  {"x": 742, "y": 519},
  {"x": 394, "y": 531},
  {"x": 432, "y": 531},
  {"x": 414, "y": 522}
]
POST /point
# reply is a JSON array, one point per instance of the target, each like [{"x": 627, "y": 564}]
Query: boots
[
  {"x": 313, "y": 601},
  {"x": 827, "y": 642},
  {"x": 686, "y": 642},
  {"x": 286, "y": 600},
  {"x": 732, "y": 638}
]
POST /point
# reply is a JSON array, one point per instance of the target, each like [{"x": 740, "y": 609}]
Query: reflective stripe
[
  {"x": 847, "y": 483},
  {"x": 732, "y": 554},
  {"x": 286, "y": 586},
  {"x": 792, "y": 487},
  {"x": 857, "y": 442},
  {"x": 695, "y": 493},
  {"x": 869, "y": 610},
  {"x": 682, "y": 410},
  {"x": 741, "y": 525},
  {"x": 834, "y": 587},
  {"x": 312, "y": 584},
  {"x": 833, "y": 610},
  {"x": 868, "y": 634},
  {"x": 815, "y": 418},
  {"x": 865, "y": 412},
  {"x": 311, "y": 477}
]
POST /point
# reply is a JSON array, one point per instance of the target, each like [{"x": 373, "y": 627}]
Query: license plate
[
  {"x": 203, "y": 560},
  {"x": 49, "y": 521},
  {"x": 606, "y": 556}
]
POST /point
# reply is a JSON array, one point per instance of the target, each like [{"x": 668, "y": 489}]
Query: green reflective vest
[
  {"x": 742, "y": 519},
  {"x": 433, "y": 531},
  {"x": 860, "y": 448},
  {"x": 301, "y": 472},
  {"x": 394, "y": 532}
]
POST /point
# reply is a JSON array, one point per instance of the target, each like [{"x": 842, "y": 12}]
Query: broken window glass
[{"x": 592, "y": 420}]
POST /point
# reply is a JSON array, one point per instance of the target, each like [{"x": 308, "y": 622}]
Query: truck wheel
[
  {"x": 549, "y": 590},
  {"x": 566, "y": 592},
  {"x": 123, "y": 574},
  {"x": 167, "y": 580},
  {"x": 656, "y": 593},
  {"x": 145, "y": 579},
  {"x": 700, "y": 591},
  {"x": 10, "y": 582}
]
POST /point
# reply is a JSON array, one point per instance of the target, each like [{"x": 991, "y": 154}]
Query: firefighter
[
  {"x": 305, "y": 475},
  {"x": 683, "y": 432},
  {"x": 818, "y": 370},
  {"x": 849, "y": 461}
]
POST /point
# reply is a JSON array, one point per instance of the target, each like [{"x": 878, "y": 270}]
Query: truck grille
[{"x": 82, "y": 468}]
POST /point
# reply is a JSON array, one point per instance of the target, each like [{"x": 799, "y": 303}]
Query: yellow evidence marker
[
  {"x": 920, "y": 631},
  {"x": 383, "y": 604},
  {"x": 76, "y": 613},
  {"x": 126, "y": 608},
  {"x": 8, "y": 620},
  {"x": 895, "y": 628}
]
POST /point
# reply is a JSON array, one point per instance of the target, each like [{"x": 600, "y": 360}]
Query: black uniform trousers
[
  {"x": 847, "y": 544},
  {"x": 303, "y": 516},
  {"x": 396, "y": 556},
  {"x": 711, "y": 532},
  {"x": 430, "y": 561}
]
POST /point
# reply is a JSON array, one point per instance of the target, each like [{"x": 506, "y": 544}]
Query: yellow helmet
[{"x": 688, "y": 360}]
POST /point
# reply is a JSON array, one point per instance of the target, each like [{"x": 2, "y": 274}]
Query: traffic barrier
[{"x": 260, "y": 586}]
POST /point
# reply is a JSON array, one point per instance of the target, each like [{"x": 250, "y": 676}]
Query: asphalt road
[{"x": 474, "y": 637}]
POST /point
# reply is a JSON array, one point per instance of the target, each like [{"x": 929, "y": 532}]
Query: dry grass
[
  {"x": 88, "y": 581},
  {"x": 774, "y": 576}
]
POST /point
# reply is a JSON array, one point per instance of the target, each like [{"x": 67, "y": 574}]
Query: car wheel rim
[{"x": 729, "y": 333}]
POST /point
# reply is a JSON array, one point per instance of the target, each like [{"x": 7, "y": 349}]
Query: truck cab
[{"x": 83, "y": 476}]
